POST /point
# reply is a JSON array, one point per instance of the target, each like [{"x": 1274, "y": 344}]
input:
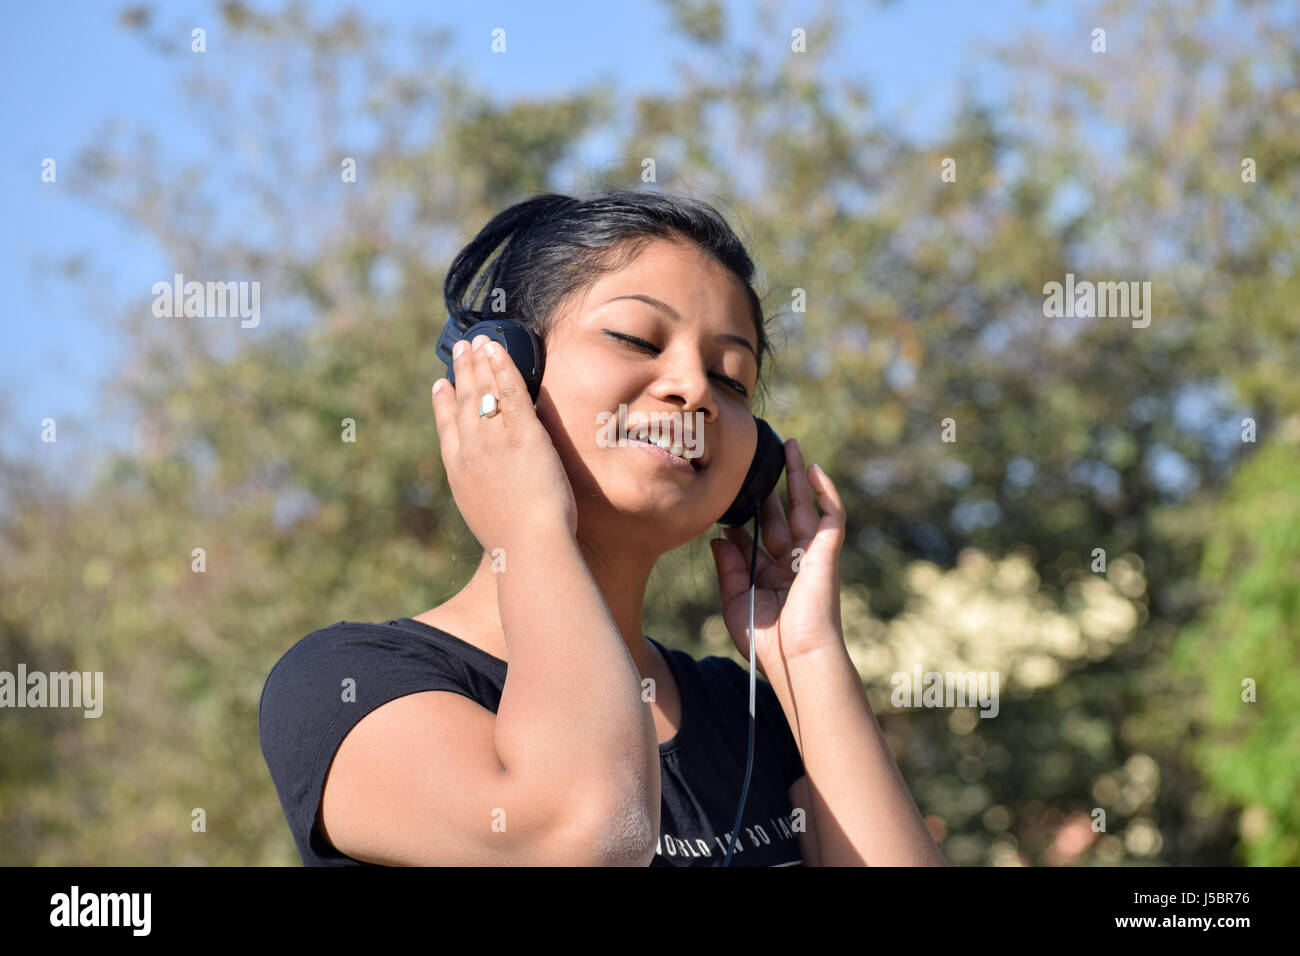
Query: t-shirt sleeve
[{"x": 317, "y": 692}]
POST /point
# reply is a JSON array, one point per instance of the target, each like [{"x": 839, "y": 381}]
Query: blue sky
[{"x": 70, "y": 68}]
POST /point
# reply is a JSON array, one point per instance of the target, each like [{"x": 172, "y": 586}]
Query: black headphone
[{"x": 525, "y": 350}]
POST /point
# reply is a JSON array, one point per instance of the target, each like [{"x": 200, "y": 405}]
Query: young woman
[{"x": 403, "y": 743}]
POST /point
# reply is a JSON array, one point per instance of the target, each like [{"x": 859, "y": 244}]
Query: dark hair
[{"x": 557, "y": 246}]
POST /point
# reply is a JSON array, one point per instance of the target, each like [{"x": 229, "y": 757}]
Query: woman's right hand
[{"x": 503, "y": 471}]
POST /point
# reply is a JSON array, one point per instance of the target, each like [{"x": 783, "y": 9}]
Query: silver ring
[{"x": 487, "y": 406}]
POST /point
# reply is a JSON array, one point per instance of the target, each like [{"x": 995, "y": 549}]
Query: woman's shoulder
[
  {"x": 367, "y": 657},
  {"x": 319, "y": 646},
  {"x": 333, "y": 676},
  {"x": 323, "y": 685}
]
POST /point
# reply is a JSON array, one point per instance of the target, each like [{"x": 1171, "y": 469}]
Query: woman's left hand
[{"x": 797, "y": 592}]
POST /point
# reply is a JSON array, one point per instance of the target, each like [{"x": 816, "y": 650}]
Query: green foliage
[{"x": 1250, "y": 744}]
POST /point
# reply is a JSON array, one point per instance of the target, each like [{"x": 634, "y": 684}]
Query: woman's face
[{"x": 703, "y": 367}]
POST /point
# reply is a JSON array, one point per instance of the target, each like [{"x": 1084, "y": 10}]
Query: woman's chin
[{"x": 661, "y": 509}]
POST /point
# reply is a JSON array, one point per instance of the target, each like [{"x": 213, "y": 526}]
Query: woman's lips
[{"x": 681, "y": 464}]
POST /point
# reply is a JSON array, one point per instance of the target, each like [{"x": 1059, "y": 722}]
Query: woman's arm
[
  {"x": 863, "y": 812},
  {"x": 800, "y": 798},
  {"x": 572, "y": 700}
]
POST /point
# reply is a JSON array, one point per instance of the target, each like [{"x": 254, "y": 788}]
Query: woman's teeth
[
  {"x": 671, "y": 448},
  {"x": 667, "y": 444}
]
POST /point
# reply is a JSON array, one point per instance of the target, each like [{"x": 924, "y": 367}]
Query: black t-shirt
[{"x": 303, "y": 717}]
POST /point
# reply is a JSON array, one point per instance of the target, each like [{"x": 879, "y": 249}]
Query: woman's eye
[
  {"x": 643, "y": 344},
  {"x": 633, "y": 340}
]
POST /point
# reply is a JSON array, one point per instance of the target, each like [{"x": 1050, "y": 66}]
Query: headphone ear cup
[
  {"x": 520, "y": 342},
  {"x": 764, "y": 473}
]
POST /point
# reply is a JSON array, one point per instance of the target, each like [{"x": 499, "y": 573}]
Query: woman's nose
[{"x": 692, "y": 388}]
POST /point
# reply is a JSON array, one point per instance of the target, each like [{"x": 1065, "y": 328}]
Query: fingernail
[
  {"x": 459, "y": 349},
  {"x": 438, "y": 384},
  {"x": 478, "y": 341},
  {"x": 818, "y": 468}
]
